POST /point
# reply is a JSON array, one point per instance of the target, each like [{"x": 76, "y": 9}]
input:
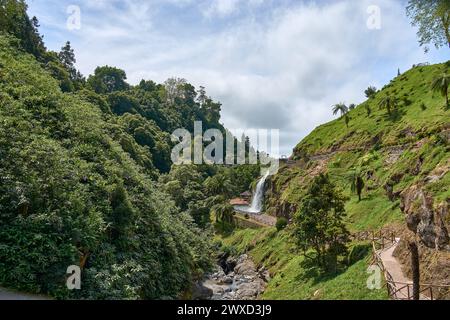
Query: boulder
[
  {"x": 227, "y": 280},
  {"x": 200, "y": 292}
]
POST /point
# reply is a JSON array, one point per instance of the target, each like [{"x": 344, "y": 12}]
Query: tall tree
[
  {"x": 201, "y": 96},
  {"x": 440, "y": 85},
  {"x": 224, "y": 212},
  {"x": 212, "y": 110},
  {"x": 108, "y": 79},
  {"x": 340, "y": 108},
  {"x": 343, "y": 110},
  {"x": 432, "y": 17},
  {"x": 319, "y": 225},
  {"x": 219, "y": 184},
  {"x": 174, "y": 89},
  {"x": 67, "y": 57}
]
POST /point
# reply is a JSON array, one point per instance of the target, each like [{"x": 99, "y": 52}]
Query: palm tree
[
  {"x": 440, "y": 85},
  {"x": 340, "y": 107},
  {"x": 343, "y": 109},
  {"x": 368, "y": 110},
  {"x": 388, "y": 102},
  {"x": 224, "y": 212},
  {"x": 219, "y": 185},
  {"x": 357, "y": 183},
  {"x": 346, "y": 119}
]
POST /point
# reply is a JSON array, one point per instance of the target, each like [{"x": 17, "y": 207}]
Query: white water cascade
[{"x": 258, "y": 197}]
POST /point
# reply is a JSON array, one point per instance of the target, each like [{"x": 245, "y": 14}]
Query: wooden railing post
[{"x": 415, "y": 269}]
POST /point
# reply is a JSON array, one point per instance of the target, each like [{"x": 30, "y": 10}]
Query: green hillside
[
  {"x": 390, "y": 152},
  {"x": 399, "y": 150},
  {"x": 419, "y": 113}
]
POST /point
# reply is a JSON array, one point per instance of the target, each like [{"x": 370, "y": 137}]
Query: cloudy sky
[{"x": 275, "y": 64}]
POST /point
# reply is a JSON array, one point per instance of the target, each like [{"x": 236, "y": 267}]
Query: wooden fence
[{"x": 383, "y": 240}]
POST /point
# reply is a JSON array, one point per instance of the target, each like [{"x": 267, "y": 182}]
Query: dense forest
[{"x": 86, "y": 176}]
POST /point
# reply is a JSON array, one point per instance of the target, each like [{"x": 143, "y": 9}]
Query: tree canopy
[
  {"x": 432, "y": 18},
  {"x": 107, "y": 80},
  {"x": 319, "y": 224}
]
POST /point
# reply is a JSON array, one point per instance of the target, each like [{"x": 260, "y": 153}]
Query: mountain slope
[
  {"x": 395, "y": 150},
  {"x": 395, "y": 155}
]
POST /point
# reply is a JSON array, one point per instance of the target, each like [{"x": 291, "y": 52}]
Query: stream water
[{"x": 244, "y": 281}]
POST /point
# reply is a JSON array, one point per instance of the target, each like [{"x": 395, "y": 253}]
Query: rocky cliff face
[{"x": 428, "y": 221}]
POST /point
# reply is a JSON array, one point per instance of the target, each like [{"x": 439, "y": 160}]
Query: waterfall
[{"x": 258, "y": 197}]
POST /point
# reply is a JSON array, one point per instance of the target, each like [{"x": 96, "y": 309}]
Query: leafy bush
[
  {"x": 357, "y": 252},
  {"x": 281, "y": 223}
]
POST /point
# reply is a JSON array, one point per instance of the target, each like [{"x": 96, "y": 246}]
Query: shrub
[
  {"x": 281, "y": 223},
  {"x": 357, "y": 253}
]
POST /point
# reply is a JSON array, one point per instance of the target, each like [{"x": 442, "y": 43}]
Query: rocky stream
[{"x": 234, "y": 279}]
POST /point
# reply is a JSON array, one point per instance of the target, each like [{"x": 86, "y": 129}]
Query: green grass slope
[
  {"x": 293, "y": 278},
  {"x": 420, "y": 113},
  {"x": 400, "y": 150}
]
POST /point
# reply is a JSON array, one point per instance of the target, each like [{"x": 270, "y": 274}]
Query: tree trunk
[
  {"x": 446, "y": 25},
  {"x": 446, "y": 97},
  {"x": 415, "y": 269}
]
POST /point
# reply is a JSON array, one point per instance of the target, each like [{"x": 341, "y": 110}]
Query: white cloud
[
  {"x": 279, "y": 69},
  {"x": 224, "y": 8},
  {"x": 221, "y": 7}
]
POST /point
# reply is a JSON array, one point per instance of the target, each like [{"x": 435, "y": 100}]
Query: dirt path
[
  {"x": 6, "y": 294},
  {"x": 393, "y": 266}
]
